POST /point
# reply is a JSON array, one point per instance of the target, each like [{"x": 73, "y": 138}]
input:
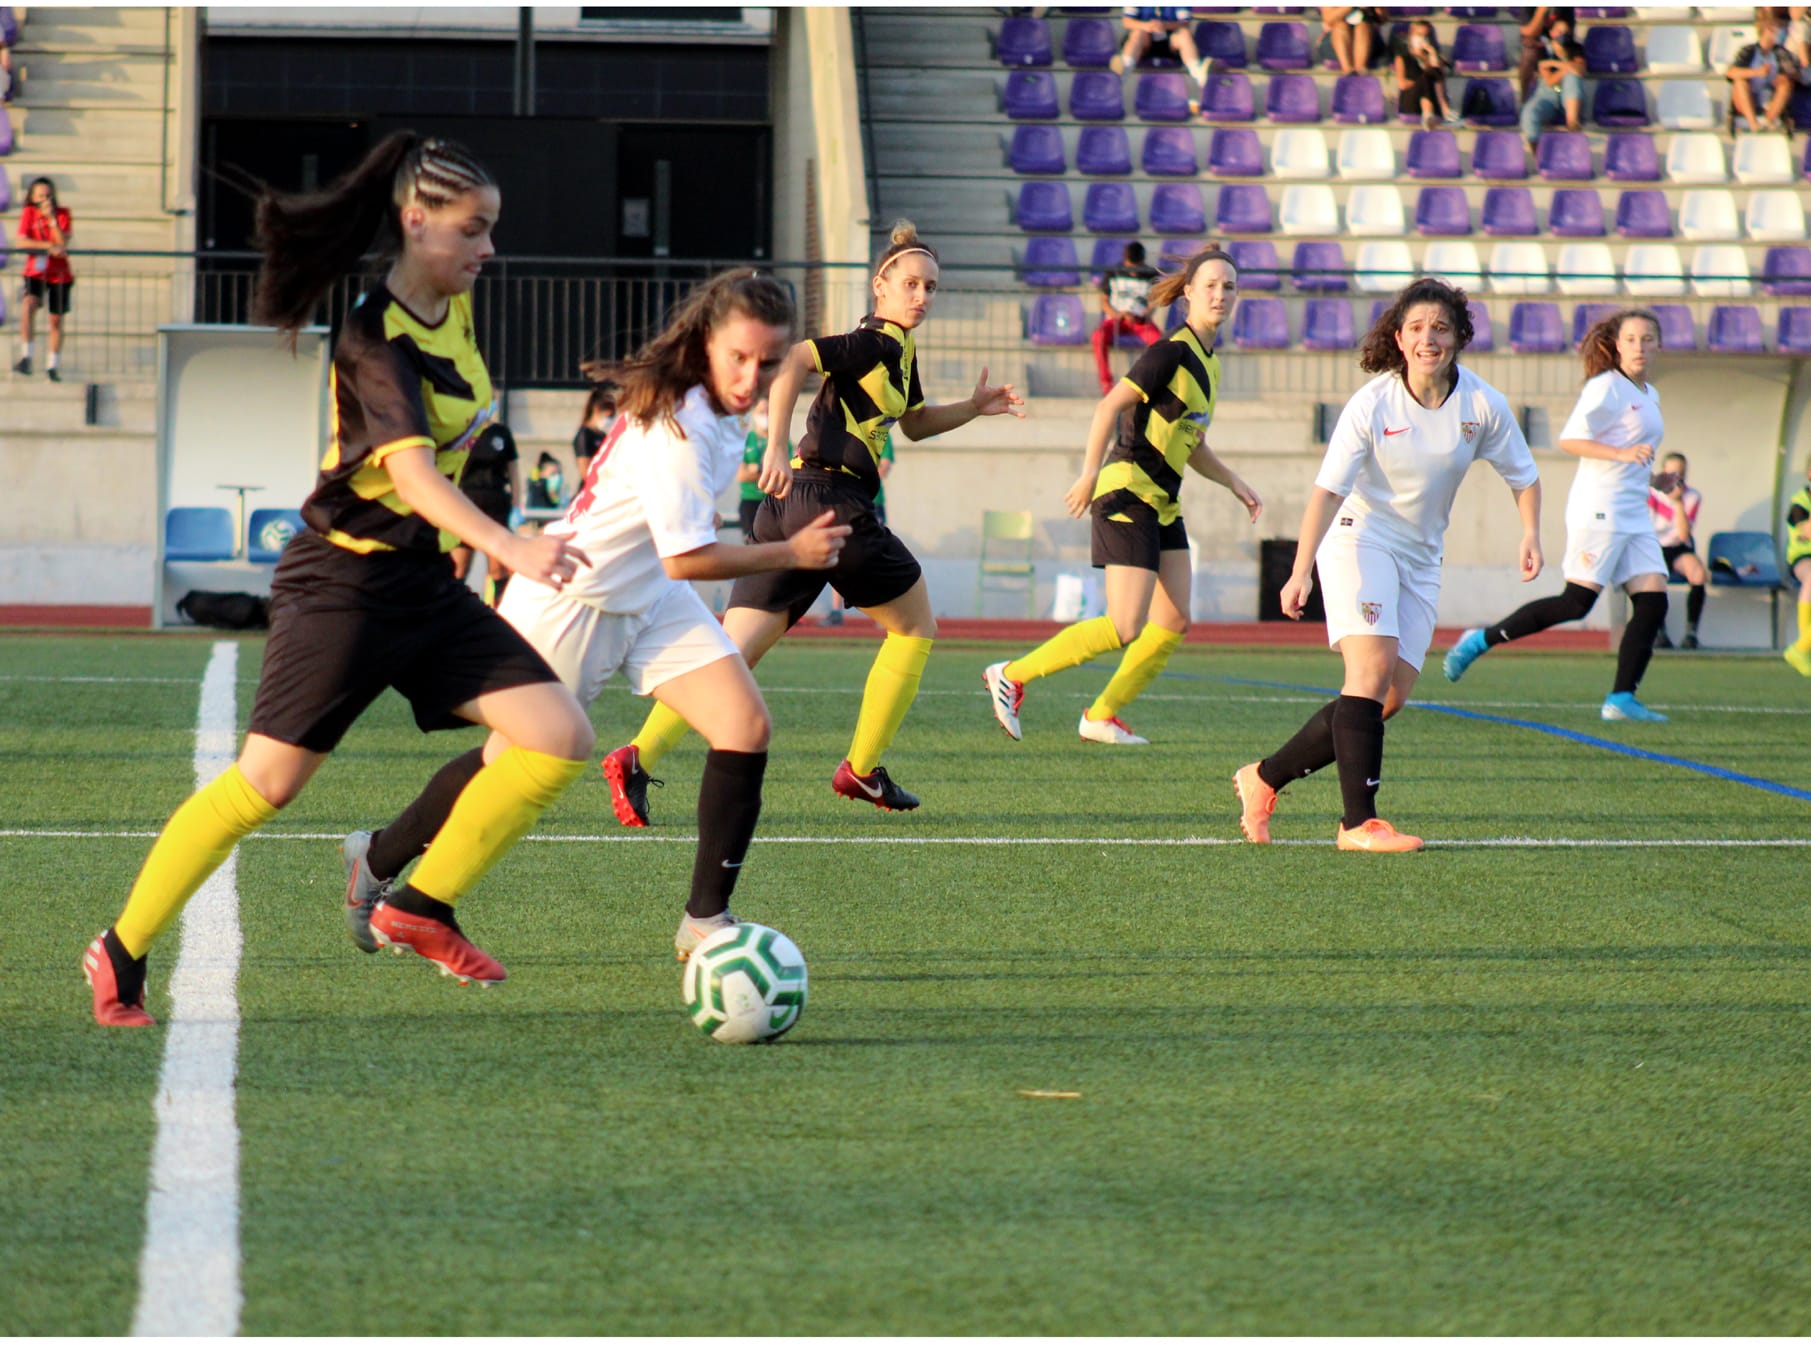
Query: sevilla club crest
[
  {"x": 1469, "y": 430},
  {"x": 1372, "y": 612}
]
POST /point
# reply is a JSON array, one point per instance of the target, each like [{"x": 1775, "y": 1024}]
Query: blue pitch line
[{"x": 1578, "y": 737}]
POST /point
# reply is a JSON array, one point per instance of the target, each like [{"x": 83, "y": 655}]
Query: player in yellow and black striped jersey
[
  {"x": 1160, "y": 411},
  {"x": 870, "y": 385},
  {"x": 365, "y": 598}
]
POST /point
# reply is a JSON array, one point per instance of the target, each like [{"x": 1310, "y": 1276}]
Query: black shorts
[
  {"x": 1137, "y": 540},
  {"x": 54, "y": 294},
  {"x": 875, "y": 566},
  {"x": 343, "y": 628},
  {"x": 492, "y": 502},
  {"x": 1672, "y": 552},
  {"x": 748, "y": 510}
]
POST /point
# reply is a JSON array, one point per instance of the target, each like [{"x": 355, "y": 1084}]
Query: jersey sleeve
[
  {"x": 386, "y": 386},
  {"x": 1151, "y": 372},
  {"x": 1504, "y": 447},
  {"x": 1347, "y": 450},
  {"x": 1796, "y": 515},
  {"x": 1693, "y": 499},
  {"x": 676, "y": 492},
  {"x": 847, "y": 353},
  {"x": 1591, "y": 416}
]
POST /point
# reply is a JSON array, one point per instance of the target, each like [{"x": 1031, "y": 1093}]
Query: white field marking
[
  {"x": 188, "y": 1273},
  {"x": 643, "y": 836}
]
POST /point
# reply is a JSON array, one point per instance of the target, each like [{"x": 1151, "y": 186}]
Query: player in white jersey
[
  {"x": 646, "y": 519},
  {"x": 1614, "y": 429},
  {"x": 1375, "y": 522}
]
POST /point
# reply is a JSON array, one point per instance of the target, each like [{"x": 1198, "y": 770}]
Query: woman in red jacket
[{"x": 44, "y": 231}]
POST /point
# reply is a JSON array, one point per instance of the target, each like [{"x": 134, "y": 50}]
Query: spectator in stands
[
  {"x": 1125, "y": 302},
  {"x": 1798, "y": 39},
  {"x": 1559, "y": 93},
  {"x": 1159, "y": 30},
  {"x": 1351, "y": 34},
  {"x": 492, "y": 480},
  {"x": 1764, "y": 69},
  {"x": 1420, "y": 74},
  {"x": 44, "y": 230},
  {"x": 600, "y": 412},
  {"x": 546, "y": 484},
  {"x": 1674, "y": 509},
  {"x": 1534, "y": 33}
]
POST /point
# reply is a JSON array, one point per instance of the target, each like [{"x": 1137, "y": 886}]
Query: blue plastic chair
[
  {"x": 1050, "y": 261},
  {"x": 1234, "y": 152},
  {"x": 1432, "y": 154},
  {"x": 1110, "y": 208},
  {"x": 1292, "y": 99},
  {"x": 1327, "y": 326},
  {"x": 1036, "y": 149},
  {"x": 1176, "y": 208},
  {"x": 1103, "y": 152},
  {"x": 1442, "y": 210},
  {"x": 1499, "y": 157},
  {"x": 1284, "y": 46},
  {"x": 200, "y": 534},
  {"x": 1630, "y": 157},
  {"x": 1478, "y": 47},
  {"x": 1534, "y": 328},
  {"x": 1169, "y": 151},
  {"x": 1749, "y": 559},
  {"x": 1096, "y": 96},
  {"x": 1024, "y": 42},
  {"x": 1044, "y": 208},
  {"x": 1564, "y": 157},
  {"x": 1576, "y": 213},
  {"x": 1358, "y": 100},
  {"x": 1089, "y": 44},
  {"x": 1735, "y": 330},
  {"x": 1031, "y": 96},
  {"x": 1243, "y": 208},
  {"x": 1641, "y": 214},
  {"x": 1509, "y": 210},
  {"x": 1161, "y": 98},
  {"x": 1610, "y": 50},
  {"x": 270, "y": 532},
  {"x": 1228, "y": 98}
]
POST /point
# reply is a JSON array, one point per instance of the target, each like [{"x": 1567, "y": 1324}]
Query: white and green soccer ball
[{"x": 745, "y": 985}]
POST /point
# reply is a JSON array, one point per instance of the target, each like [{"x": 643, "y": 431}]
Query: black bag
[{"x": 224, "y": 609}]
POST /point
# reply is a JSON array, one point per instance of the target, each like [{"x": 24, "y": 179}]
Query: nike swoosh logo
[
  {"x": 871, "y": 791},
  {"x": 1399, "y": 431},
  {"x": 729, "y": 866},
  {"x": 1369, "y": 782}
]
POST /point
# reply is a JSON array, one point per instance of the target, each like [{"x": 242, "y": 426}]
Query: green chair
[{"x": 1006, "y": 559}]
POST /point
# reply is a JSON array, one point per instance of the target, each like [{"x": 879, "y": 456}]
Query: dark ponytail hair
[
  {"x": 310, "y": 240},
  {"x": 1169, "y": 289},
  {"x": 1599, "y": 346},
  {"x": 653, "y": 382},
  {"x": 1379, "y": 352}
]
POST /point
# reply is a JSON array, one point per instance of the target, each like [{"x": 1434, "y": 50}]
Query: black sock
[
  {"x": 729, "y": 803},
  {"x": 1694, "y": 608},
  {"x": 1570, "y": 605},
  {"x": 1309, "y": 749},
  {"x": 1358, "y": 743},
  {"x": 128, "y": 974},
  {"x": 410, "y": 900},
  {"x": 1646, "y": 620},
  {"x": 407, "y": 836}
]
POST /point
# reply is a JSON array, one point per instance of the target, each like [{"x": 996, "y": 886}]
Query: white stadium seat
[
  {"x": 1376, "y": 209},
  {"x": 1653, "y": 270},
  {"x": 1384, "y": 266},
  {"x": 1366, "y": 152},
  {"x": 1696, "y": 157},
  {"x": 1763, "y": 159},
  {"x": 1674, "y": 50},
  {"x": 1585, "y": 269},
  {"x": 1725, "y": 43},
  {"x": 1776, "y": 215},
  {"x": 1519, "y": 269},
  {"x": 1685, "y": 105},
  {"x": 1455, "y": 260},
  {"x": 1308, "y": 208},
  {"x": 1299, "y": 152},
  {"x": 1709, "y": 213},
  {"x": 1721, "y": 270}
]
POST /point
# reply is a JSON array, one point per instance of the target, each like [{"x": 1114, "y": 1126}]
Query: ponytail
[
  {"x": 1169, "y": 289},
  {"x": 1599, "y": 346},
  {"x": 310, "y": 240}
]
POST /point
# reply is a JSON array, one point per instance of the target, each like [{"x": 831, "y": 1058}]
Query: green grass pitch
[{"x": 1495, "y": 1088}]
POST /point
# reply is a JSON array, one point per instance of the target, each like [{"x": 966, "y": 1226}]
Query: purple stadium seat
[
  {"x": 1442, "y": 210},
  {"x": 1256, "y": 260},
  {"x": 1234, "y": 152},
  {"x": 1024, "y": 42},
  {"x": 1176, "y": 209},
  {"x": 1482, "y": 337},
  {"x": 1472, "y": 11},
  {"x": 1564, "y": 157},
  {"x": 1095, "y": 96},
  {"x": 1320, "y": 267},
  {"x": 1108, "y": 254},
  {"x": 1110, "y": 208},
  {"x": 1284, "y": 46},
  {"x": 1377, "y": 311},
  {"x": 1735, "y": 329},
  {"x": 1228, "y": 98},
  {"x": 1433, "y": 154},
  {"x": 1089, "y": 44},
  {"x": 1630, "y": 157},
  {"x": 1102, "y": 151},
  {"x": 1243, "y": 208},
  {"x": 1357, "y": 98},
  {"x": 1327, "y": 326},
  {"x": 1786, "y": 271},
  {"x": 1478, "y": 47},
  {"x": 1576, "y": 213},
  {"x": 1050, "y": 261},
  {"x": 1276, "y": 9},
  {"x": 1603, "y": 11},
  {"x": 1677, "y": 332},
  {"x": 1161, "y": 98},
  {"x": 6, "y": 201},
  {"x": 1499, "y": 156},
  {"x": 9, "y": 26},
  {"x": 1795, "y": 330},
  {"x": 1610, "y": 50},
  {"x": 1057, "y": 321},
  {"x": 1169, "y": 151},
  {"x": 1509, "y": 210},
  {"x": 1641, "y": 214},
  {"x": 1031, "y": 96},
  {"x": 1489, "y": 102},
  {"x": 1807, "y": 168},
  {"x": 1260, "y": 325},
  {"x": 1619, "y": 103},
  {"x": 1044, "y": 208},
  {"x": 1221, "y": 44},
  {"x": 1534, "y": 328},
  {"x": 1587, "y": 316},
  {"x": 6, "y": 132},
  {"x": 1036, "y": 149},
  {"x": 1799, "y": 109},
  {"x": 1175, "y": 252},
  {"x": 1292, "y": 98}
]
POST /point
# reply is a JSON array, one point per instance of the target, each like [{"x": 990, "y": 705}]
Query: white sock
[
  {"x": 52, "y": 365},
  {"x": 25, "y": 351}
]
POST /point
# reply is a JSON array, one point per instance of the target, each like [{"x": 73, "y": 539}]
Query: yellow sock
[
  {"x": 1804, "y": 627},
  {"x": 199, "y": 837},
  {"x": 1144, "y": 661},
  {"x": 663, "y": 729},
  {"x": 493, "y": 811},
  {"x": 892, "y": 684},
  {"x": 1074, "y": 644}
]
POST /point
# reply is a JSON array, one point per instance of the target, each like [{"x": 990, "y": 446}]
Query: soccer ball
[{"x": 745, "y": 985}]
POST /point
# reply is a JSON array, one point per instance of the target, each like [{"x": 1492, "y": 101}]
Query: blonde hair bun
[{"x": 904, "y": 232}]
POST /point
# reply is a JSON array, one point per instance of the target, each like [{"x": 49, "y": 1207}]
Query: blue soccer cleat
[
  {"x": 1471, "y": 645},
  {"x": 1623, "y": 707}
]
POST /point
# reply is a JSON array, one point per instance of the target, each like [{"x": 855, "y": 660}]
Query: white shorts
[
  {"x": 1606, "y": 558},
  {"x": 1370, "y": 592},
  {"x": 585, "y": 645}
]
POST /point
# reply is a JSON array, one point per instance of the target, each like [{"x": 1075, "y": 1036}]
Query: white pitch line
[{"x": 188, "y": 1274}]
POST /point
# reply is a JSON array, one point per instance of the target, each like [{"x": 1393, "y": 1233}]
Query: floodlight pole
[{"x": 524, "y": 84}]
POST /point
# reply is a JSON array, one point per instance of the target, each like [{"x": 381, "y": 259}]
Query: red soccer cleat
[
  {"x": 628, "y": 786},
  {"x": 877, "y": 789},
  {"x": 119, "y": 994},
  {"x": 442, "y": 943}
]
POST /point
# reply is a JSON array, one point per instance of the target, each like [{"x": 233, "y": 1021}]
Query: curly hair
[
  {"x": 653, "y": 382},
  {"x": 1379, "y": 353},
  {"x": 1599, "y": 346}
]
